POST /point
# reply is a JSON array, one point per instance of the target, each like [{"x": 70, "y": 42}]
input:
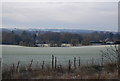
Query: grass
[{"x": 108, "y": 71}]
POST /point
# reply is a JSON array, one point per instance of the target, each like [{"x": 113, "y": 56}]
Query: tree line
[{"x": 31, "y": 39}]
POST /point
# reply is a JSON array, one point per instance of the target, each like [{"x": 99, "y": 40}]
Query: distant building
[
  {"x": 43, "y": 45},
  {"x": 117, "y": 42},
  {"x": 110, "y": 42},
  {"x": 96, "y": 43},
  {"x": 66, "y": 45},
  {"x": 53, "y": 45}
]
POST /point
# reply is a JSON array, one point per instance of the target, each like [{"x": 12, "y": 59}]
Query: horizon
[{"x": 58, "y": 29}]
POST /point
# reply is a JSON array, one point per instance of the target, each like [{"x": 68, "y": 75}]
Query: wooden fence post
[
  {"x": 30, "y": 66},
  {"x": 118, "y": 59},
  {"x": 74, "y": 62},
  {"x": 37, "y": 65},
  {"x": 102, "y": 60},
  {"x": 13, "y": 68},
  {"x": 79, "y": 62},
  {"x": 18, "y": 65},
  {"x": 55, "y": 62},
  {"x": 52, "y": 61},
  {"x": 43, "y": 65},
  {"x": 69, "y": 65}
]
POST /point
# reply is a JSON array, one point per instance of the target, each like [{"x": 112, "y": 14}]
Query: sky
[{"x": 61, "y": 14}]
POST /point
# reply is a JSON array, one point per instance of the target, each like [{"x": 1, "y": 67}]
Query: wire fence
[{"x": 52, "y": 63}]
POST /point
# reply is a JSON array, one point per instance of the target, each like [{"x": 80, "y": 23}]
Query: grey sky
[{"x": 78, "y": 15}]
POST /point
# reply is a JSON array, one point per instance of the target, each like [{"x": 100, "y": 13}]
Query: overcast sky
[{"x": 69, "y": 15}]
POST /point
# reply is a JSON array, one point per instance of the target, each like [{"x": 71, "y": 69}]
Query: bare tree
[{"x": 112, "y": 55}]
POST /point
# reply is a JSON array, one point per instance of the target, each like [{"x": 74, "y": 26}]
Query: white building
[
  {"x": 66, "y": 45},
  {"x": 43, "y": 45}
]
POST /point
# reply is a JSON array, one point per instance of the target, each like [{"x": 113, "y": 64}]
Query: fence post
[
  {"x": 52, "y": 61},
  {"x": 79, "y": 62},
  {"x": 18, "y": 65},
  {"x": 118, "y": 59},
  {"x": 13, "y": 68},
  {"x": 69, "y": 65},
  {"x": 37, "y": 66},
  {"x": 43, "y": 65},
  {"x": 55, "y": 62},
  {"x": 102, "y": 60},
  {"x": 74, "y": 62},
  {"x": 30, "y": 66}
]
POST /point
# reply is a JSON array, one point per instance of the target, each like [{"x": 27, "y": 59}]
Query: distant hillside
[
  {"x": 78, "y": 31},
  {"x": 64, "y": 30}
]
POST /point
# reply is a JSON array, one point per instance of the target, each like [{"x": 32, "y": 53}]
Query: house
[
  {"x": 53, "y": 45},
  {"x": 43, "y": 45},
  {"x": 66, "y": 45},
  {"x": 96, "y": 42},
  {"x": 109, "y": 42},
  {"x": 117, "y": 42}
]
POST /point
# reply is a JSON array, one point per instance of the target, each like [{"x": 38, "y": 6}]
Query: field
[{"x": 56, "y": 63}]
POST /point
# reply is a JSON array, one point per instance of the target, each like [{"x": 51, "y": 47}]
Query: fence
[
  {"x": 53, "y": 64},
  {"x": 75, "y": 66}
]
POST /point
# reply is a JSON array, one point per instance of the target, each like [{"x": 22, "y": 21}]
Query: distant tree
[
  {"x": 27, "y": 39},
  {"x": 31, "y": 39},
  {"x": 74, "y": 42}
]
